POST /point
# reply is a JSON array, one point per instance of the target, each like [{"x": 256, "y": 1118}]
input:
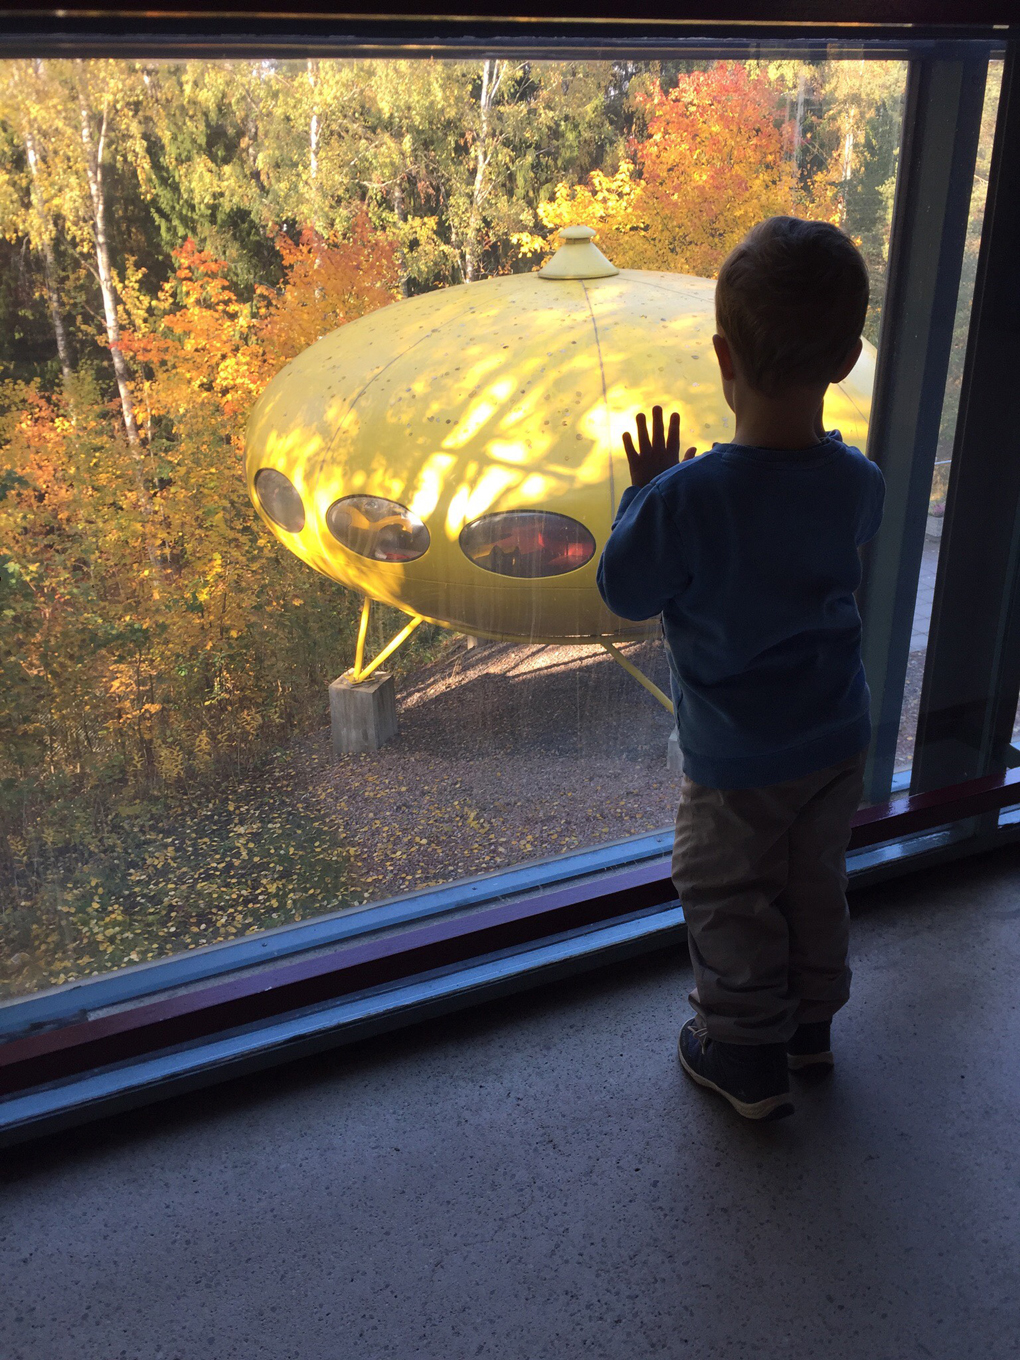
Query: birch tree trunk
[
  {"x": 315, "y": 216},
  {"x": 400, "y": 209},
  {"x": 492, "y": 75},
  {"x": 94, "y": 149},
  {"x": 313, "y": 145},
  {"x": 847, "y": 171},
  {"x": 798, "y": 134},
  {"x": 49, "y": 261}
]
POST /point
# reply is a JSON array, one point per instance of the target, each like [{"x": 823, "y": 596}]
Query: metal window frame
[
  {"x": 972, "y": 673},
  {"x": 64, "y": 1073},
  {"x": 592, "y": 29},
  {"x": 942, "y": 122}
]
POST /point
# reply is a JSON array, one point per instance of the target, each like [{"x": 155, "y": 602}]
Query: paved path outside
[{"x": 925, "y": 595}]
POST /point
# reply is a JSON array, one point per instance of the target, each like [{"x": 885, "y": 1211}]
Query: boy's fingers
[
  {"x": 658, "y": 434},
  {"x": 673, "y": 441},
  {"x": 629, "y": 449},
  {"x": 689, "y": 455},
  {"x": 644, "y": 443}
]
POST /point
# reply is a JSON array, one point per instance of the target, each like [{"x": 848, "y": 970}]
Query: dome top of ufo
[{"x": 578, "y": 257}]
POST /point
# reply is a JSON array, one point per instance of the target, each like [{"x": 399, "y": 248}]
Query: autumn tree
[
  {"x": 127, "y": 678},
  {"x": 450, "y": 157},
  {"x": 211, "y": 128},
  {"x": 717, "y": 158}
]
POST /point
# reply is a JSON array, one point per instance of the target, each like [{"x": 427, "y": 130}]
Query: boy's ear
[
  {"x": 853, "y": 354},
  {"x": 725, "y": 357}
]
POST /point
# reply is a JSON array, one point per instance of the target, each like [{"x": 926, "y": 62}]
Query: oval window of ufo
[
  {"x": 527, "y": 543},
  {"x": 280, "y": 500},
  {"x": 377, "y": 528}
]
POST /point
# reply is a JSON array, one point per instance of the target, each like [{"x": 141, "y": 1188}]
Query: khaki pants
[{"x": 761, "y": 875}]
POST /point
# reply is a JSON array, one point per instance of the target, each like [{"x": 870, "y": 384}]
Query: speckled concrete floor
[{"x": 539, "y": 1180}]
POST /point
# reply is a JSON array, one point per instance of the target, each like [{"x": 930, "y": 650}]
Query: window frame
[{"x": 78, "y": 1052}]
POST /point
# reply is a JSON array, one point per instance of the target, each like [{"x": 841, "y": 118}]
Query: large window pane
[{"x": 174, "y": 236}]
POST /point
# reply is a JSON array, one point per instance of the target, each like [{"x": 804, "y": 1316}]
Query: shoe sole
[
  {"x": 772, "y": 1107},
  {"x": 796, "y": 1062}
]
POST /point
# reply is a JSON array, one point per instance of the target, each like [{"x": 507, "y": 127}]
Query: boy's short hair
[{"x": 791, "y": 300}]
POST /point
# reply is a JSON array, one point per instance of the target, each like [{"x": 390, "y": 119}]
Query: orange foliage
[
  {"x": 326, "y": 286},
  {"x": 716, "y": 160},
  {"x": 159, "y": 632},
  {"x": 210, "y": 341}
]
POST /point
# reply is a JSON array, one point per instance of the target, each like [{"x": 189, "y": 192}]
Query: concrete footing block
[
  {"x": 674, "y": 756},
  {"x": 362, "y": 717}
]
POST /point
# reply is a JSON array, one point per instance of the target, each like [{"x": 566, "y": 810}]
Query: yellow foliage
[{"x": 610, "y": 203}]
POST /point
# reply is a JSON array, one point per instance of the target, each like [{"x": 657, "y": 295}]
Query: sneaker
[
  {"x": 809, "y": 1047},
  {"x": 752, "y": 1077}
]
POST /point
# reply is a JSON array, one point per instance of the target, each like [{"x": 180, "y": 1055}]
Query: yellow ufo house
[{"x": 459, "y": 454}]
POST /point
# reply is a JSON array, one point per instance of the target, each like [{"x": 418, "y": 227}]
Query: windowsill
[
  {"x": 525, "y": 949},
  {"x": 105, "y": 993}
]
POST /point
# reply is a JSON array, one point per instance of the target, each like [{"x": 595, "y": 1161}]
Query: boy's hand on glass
[{"x": 656, "y": 453}]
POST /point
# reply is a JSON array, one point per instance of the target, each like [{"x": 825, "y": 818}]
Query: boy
[{"x": 750, "y": 554}]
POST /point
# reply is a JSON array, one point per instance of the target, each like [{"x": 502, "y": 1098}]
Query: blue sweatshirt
[{"x": 750, "y": 555}]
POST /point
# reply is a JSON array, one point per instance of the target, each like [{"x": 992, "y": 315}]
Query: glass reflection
[
  {"x": 527, "y": 543},
  {"x": 279, "y": 499},
  {"x": 380, "y": 530}
]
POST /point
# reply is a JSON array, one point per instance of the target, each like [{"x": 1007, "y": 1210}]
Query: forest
[{"x": 171, "y": 234}]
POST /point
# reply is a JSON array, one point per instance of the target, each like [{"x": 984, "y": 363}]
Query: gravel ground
[{"x": 506, "y": 753}]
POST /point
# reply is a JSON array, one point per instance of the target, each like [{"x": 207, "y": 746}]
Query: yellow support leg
[
  {"x": 631, "y": 669},
  {"x": 359, "y": 650},
  {"x": 361, "y": 671}
]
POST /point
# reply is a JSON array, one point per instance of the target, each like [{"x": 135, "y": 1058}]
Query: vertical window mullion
[
  {"x": 942, "y": 121},
  {"x": 972, "y": 672}
]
